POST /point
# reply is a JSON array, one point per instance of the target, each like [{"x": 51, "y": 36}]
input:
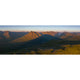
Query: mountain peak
[
  {"x": 30, "y": 36},
  {"x": 6, "y": 34}
]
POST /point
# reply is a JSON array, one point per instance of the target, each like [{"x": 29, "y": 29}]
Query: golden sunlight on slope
[{"x": 30, "y": 36}]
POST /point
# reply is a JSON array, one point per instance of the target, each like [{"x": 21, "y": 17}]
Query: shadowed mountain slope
[
  {"x": 40, "y": 40},
  {"x": 34, "y": 43}
]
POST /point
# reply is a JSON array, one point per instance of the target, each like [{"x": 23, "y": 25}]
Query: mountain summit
[
  {"x": 6, "y": 34},
  {"x": 30, "y": 36}
]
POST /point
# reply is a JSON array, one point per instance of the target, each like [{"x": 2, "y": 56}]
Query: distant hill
[
  {"x": 12, "y": 35},
  {"x": 49, "y": 33},
  {"x": 15, "y": 35},
  {"x": 70, "y": 36}
]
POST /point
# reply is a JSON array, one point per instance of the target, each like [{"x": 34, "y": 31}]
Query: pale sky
[{"x": 70, "y": 28}]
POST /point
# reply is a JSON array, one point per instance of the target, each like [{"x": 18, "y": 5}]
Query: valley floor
[{"x": 66, "y": 50}]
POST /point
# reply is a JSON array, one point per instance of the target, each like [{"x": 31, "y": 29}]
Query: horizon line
[{"x": 37, "y": 31}]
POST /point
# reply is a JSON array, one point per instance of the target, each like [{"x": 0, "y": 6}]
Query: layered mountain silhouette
[{"x": 16, "y": 37}]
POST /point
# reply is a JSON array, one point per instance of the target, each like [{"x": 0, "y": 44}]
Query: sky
[{"x": 61, "y": 28}]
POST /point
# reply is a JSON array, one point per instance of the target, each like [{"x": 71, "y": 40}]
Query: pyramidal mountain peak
[
  {"x": 6, "y": 34},
  {"x": 30, "y": 36}
]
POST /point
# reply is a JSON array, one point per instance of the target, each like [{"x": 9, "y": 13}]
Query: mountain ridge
[{"x": 30, "y": 36}]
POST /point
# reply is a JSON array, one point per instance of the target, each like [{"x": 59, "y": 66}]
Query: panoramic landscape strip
[{"x": 40, "y": 39}]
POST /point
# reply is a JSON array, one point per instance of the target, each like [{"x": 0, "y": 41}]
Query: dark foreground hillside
[{"x": 39, "y": 43}]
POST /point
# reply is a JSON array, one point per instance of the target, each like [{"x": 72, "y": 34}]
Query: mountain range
[{"x": 21, "y": 40}]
